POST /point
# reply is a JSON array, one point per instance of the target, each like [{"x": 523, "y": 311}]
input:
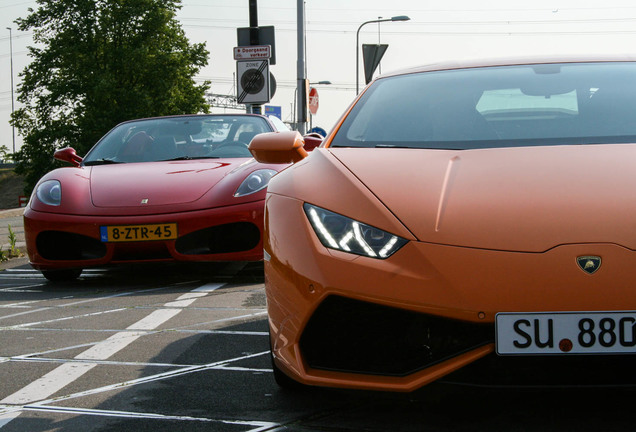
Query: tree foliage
[{"x": 97, "y": 63}]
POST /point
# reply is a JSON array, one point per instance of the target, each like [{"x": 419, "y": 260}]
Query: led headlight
[
  {"x": 50, "y": 192},
  {"x": 254, "y": 182},
  {"x": 341, "y": 233}
]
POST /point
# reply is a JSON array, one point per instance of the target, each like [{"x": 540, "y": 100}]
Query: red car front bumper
[{"x": 59, "y": 241}]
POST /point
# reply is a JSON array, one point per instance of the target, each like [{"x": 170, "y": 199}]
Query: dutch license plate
[
  {"x": 135, "y": 233},
  {"x": 565, "y": 333}
]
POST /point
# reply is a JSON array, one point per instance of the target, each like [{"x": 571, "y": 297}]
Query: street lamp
[
  {"x": 12, "y": 103},
  {"x": 395, "y": 18}
]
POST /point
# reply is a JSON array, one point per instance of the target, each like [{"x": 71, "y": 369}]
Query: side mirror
[
  {"x": 68, "y": 154},
  {"x": 278, "y": 147}
]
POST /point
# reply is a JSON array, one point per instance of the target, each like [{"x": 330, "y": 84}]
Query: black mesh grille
[
  {"x": 354, "y": 336},
  {"x": 65, "y": 246},
  {"x": 227, "y": 238}
]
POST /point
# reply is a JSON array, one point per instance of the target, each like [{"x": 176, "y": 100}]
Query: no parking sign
[{"x": 252, "y": 81}]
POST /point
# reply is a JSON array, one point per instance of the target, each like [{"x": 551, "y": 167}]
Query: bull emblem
[{"x": 589, "y": 264}]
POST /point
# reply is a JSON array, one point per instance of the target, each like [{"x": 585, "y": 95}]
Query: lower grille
[
  {"x": 65, "y": 246},
  {"x": 353, "y": 336},
  {"x": 227, "y": 238}
]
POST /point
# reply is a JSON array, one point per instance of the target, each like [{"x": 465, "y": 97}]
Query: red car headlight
[
  {"x": 256, "y": 181},
  {"x": 49, "y": 192}
]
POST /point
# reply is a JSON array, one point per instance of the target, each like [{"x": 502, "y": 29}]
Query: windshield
[
  {"x": 506, "y": 106},
  {"x": 174, "y": 138}
]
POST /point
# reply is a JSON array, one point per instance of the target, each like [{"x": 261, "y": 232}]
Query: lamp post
[
  {"x": 12, "y": 103},
  {"x": 395, "y": 18}
]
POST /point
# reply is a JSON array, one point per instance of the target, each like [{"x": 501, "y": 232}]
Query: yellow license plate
[{"x": 136, "y": 233}]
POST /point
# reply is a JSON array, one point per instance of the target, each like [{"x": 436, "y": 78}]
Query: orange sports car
[{"x": 459, "y": 213}]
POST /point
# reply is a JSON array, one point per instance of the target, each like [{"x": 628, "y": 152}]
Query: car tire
[
  {"x": 283, "y": 381},
  {"x": 62, "y": 275}
]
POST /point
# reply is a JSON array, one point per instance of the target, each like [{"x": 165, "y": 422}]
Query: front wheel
[{"x": 65, "y": 275}]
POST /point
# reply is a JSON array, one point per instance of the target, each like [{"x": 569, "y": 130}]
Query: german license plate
[
  {"x": 565, "y": 333},
  {"x": 136, "y": 233}
]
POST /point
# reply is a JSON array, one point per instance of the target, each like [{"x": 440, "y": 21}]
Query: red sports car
[{"x": 180, "y": 188}]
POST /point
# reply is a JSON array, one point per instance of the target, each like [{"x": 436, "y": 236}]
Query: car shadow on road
[{"x": 233, "y": 390}]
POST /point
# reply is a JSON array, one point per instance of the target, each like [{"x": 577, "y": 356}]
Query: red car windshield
[
  {"x": 499, "y": 106},
  {"x": 175, "y": 138}
]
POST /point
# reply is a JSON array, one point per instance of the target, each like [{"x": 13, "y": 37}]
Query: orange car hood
[
  {"x": 159, "y": 183},
  {"x": 517, "y": 199}
]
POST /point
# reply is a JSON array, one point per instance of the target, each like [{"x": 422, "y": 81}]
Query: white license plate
[{"x": 565, "y": 333}]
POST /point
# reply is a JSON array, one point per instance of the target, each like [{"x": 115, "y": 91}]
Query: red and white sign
[
  {"x": 313, "y": 100},
  {"x": 252, "y": 52}
]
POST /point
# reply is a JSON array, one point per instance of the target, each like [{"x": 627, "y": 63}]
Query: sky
[{"x": 436, "y": 31}]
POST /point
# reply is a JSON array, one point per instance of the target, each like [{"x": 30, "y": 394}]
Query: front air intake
[{"x": 354, "y": 336}]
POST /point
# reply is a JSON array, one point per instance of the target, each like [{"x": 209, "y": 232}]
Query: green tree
[
  {"x": 4, "y": 154},
  {"x": 97, "y": 63}
]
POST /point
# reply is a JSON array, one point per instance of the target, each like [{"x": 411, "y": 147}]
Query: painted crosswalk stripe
[{"x": 65, "y": 374}]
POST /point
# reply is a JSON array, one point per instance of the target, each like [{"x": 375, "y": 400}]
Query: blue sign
[
  {"x": 319, "y": 131},
  {"x": 274, "y": 110}
]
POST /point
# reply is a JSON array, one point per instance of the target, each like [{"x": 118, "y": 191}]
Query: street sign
[
  {"x": 262, "y": 35},
  {"x": 253, "y": 52},
  {"x": 320, "y": 131},
  {"x": 371, "y": 56},
  {"x": 252, "y": 81},
  {"x": 313, "y": 100},
  {"x": 276, "y": 111}
]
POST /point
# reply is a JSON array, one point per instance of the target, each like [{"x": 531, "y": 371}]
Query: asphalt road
[{"x": 165, "y": 348}]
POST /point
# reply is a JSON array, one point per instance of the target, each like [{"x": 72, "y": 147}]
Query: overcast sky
[{"x": 437, "y": 31}]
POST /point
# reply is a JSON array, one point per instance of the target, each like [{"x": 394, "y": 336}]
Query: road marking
[
  {"x": 19, "y": 326},
  {"x": 151, "y": 378},
  {"x": 8, "y": 416},
  {"x": 66, "y": 305},
  {"x": 154, "y": 320},
  {"x": 262, "y": 426},
  {"x": 66, "y": 373}
]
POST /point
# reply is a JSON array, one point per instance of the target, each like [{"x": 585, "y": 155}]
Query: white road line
[
  {"x": 137, "y": 415},
  {"x": 66, "y": 373},
  {"x": 151, "y": 378},
  {"x": 99, "y": 362},
  {"x": 31, "y": 324},
  {"x": 23, "y": 288},
  {"x": 209, "y": 287},
  {"x": 6, "y": 417},
  {"x": 49, "y": 384},
  {"x": 65, "y": 305},
  {"x": 112, "y": 345},
  {"x": 154, "y": 320},
  {"x": 8, "y": 413}
]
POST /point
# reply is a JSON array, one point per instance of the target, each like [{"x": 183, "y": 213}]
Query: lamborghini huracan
[
  {"x": 176, "y": 188},
  {"x": 457, "y": 212}
]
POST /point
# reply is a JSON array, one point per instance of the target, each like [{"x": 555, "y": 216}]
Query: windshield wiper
[
  {"x": 102, "y": 161},
  {"x": 429, "y": 146},
  {"x": 188, "y": 158},
  {"x": 393, "y": 146}
]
